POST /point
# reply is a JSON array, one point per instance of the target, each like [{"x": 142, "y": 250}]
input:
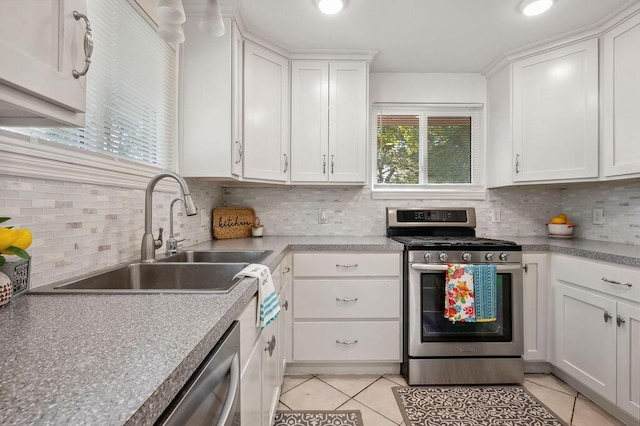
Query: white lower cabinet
[
  {"x": 347, "y": 307},
  {"x": 270, "y": 372},
  {"x": 536, "y": 283},
  {"x": 597, "y": 328}
]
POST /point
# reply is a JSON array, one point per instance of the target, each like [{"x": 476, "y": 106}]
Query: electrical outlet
[
  {"x": 323, "y": 216},
  {"x": 598, "y": 216},
  {"x": 495, "y": 215},
  {"x": 204, "y": 218}
]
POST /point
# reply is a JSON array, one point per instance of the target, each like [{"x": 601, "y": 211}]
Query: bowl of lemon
[{"x": 560, "y": 227}]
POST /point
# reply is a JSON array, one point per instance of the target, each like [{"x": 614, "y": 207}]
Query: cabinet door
[
  {"x": 41, "y": 43},
  {"x": 621, "y": 91},
  {"x": 535, "y": 307},
  {"x": 310, "y": 121},
  {"x": 251, "y": 388},
  {"x": 629, "y": 359},
  {"x": 270, "y": 372},
  {"x": 266, "y": 114},
  {"x": 555, "y": 114},
  {"x": 286, "y": 328},
  {"x": 237, "y": 45},
  {"x": 347, "y": 121},
  {"x": 585, "y": 338}
]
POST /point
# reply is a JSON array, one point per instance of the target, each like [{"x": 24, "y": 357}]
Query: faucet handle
[{"x": 158, "y": 243}]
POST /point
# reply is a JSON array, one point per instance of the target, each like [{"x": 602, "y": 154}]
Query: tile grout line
[
  {"x": 282, "y": 393},
  {"x": 573, "y": 410},
  {"x": 545, "y": 386}
]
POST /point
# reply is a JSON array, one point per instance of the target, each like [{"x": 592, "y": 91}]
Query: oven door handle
[{"x": 440, "y": 268}]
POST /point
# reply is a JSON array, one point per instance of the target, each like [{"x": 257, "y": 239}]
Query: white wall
[{"x": 413, "y": 87}]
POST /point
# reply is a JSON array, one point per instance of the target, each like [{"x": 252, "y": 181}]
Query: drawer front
[
  {"x": 347, "y": 299},
  {"x": 359, "y": 341},
  {"x": 346, "y": 264},
  {"x": 598, "y": 276}
]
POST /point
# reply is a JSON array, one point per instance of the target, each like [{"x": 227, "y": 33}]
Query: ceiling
[{"x": 426, "y": 36}]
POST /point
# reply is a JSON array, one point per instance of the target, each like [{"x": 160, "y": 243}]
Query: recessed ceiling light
[
  {"x": 330, "y": 7},
  {"x": 535, "y": 7}
]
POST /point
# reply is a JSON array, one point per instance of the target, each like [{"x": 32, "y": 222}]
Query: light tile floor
[{"x": 372, "y": 395}]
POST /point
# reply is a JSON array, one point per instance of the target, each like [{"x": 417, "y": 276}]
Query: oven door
[{"x": 433, "y": 335}]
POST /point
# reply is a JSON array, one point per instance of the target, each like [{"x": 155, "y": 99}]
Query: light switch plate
[
  {"x": 495, "y": 215},
  {"x": 598, "y": 216}
]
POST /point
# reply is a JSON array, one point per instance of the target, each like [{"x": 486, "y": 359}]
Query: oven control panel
[{"x": 464, "y": 256}]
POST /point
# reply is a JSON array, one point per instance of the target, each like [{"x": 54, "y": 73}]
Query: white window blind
[
  {"x": 428, "y": 147},
  {"x": 131, "y": 91}
]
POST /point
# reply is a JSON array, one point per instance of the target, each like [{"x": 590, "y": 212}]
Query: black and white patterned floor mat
[
  {"x": 472, "y": 406},
  {"x": 318, "y": 418}
]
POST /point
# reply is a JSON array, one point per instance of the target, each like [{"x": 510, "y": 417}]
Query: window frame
[
  {"x": 474, "y": 191},
  {"x": 24, "y": 156}
]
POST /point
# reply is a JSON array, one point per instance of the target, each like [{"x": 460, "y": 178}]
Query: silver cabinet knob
[
  {"x": 427, "y": 257},
  {"x": 443, "y": 257},
  {"x": 466, "y": 256},
  {"x": 504, "y": 256},
  {"x": 490, "y": 257}
]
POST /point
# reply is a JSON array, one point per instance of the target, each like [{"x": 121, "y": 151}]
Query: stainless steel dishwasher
[{"x": 212, "y": 394}]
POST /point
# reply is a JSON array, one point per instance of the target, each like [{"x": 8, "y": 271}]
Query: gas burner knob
[
  {"x": 489, "y": 257},
  {"x": 466, "y": 256},
  {"x": 504, "y": 257},
  {"x": 427, "y": 257},
  {"x": 443, "y": 257}
]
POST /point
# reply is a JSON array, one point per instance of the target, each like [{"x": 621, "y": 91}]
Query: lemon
[
  {"x": 7, "y": 238},
  {"x": 24, "y": 239},
  {"x": 558, "y": 220},
  {"x": 562, "y": 215}
]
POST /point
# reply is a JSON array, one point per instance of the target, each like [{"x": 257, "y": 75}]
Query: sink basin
[
  {"x": 185, "y": 277},
  {"x": 246, "y": 256}
]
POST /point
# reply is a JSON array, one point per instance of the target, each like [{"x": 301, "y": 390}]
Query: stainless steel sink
[
  {"x": 245, "y": 256},
  {"x": 161, "y": 277}
]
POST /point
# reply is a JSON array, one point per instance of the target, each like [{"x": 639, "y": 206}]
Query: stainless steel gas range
[{"x": 436, "y": 349}]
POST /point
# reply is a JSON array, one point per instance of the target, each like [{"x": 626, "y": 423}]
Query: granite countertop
[
  {"x": 120, "y": 359},
  {"x": 79, "y": 359}
]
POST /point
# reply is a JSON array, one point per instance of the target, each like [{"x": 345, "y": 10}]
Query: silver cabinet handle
[
  {"x": 88, "y": 45},
  {"x": 347, "y": 300},
  {"x": 332, "y": 163},
  {"x": 286, "y": 270},
  {"x": 324, "y": 163},
  {"x": 346, "y": 265},
  {"x": 346, "y": 342},
  {"x": 271, "y": 345},
  {"x": 232, "y": 391},
  {"x": 239, "y": 145},
  {"x": 286, "y": 163},
  {"x": 607, "y": 316},
  {"x": 607, "y": 280},
  {"x": 619, "y": 320},
  {"x": 517, "y": 163},
  {"x": 525, "y": 267},
  {"x": 285, "y": 305}
]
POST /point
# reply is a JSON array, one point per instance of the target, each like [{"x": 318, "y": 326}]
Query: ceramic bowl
[{"x": 560, "y": 229}]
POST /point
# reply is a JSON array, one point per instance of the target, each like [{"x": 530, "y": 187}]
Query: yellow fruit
[
  {"x": 7, "y": 237},
  {"x": 24, "y": 239},
  {"x": 558, "y": 220},
  {"x": 562, "y": 215}
]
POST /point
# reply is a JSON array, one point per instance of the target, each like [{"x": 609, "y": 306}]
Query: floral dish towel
[{"x": 459, "y": 297}]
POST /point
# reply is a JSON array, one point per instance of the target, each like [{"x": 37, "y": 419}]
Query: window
[
  {"x": 428, "y": 148},
  {"x": 131, "y": 92}
]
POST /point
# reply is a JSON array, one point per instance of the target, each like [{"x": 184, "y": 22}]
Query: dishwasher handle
[{"x": 226, "y": 417}]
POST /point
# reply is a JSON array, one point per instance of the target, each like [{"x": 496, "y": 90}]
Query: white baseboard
[{"x": 294, "y": 369}]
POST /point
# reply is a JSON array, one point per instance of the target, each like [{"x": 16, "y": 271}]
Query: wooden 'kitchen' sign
[{"x": 233, "y": 222}]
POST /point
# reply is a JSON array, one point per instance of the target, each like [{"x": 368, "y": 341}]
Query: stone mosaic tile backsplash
[
  {"x": 351, "y": 211},
  {"x": 80, "y": 228},
  {"x": 620, "y": 201}
]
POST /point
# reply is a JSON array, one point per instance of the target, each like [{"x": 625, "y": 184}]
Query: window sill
[
  {"x": 428, "y": 194},
  {"x": 20, "y": 157}
]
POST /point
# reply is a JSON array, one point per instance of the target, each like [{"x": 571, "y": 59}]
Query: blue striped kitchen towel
[
  {"x": 268, "y": 306},
  {"x": 485, "y": 279}
]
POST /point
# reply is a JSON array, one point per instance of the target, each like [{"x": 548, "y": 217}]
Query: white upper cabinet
[
  {"x": 555, "y": 114},
  {"x": 266, "y": 115},
  {"x": 328, "y": 121},
  {"x": 211, "y": 95},
  {"x": 621, "y": 92},
  {"x": 41, "y": 44}
]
